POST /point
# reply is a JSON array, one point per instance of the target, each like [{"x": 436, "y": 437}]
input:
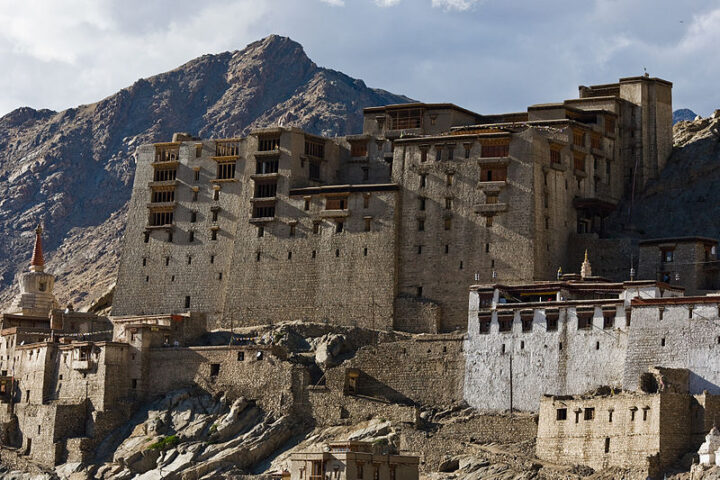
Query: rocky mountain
[
  {"x": 73, "y": 170},
  {"x": 683, "y": 201},
  {"x": 683, "y": 115}
]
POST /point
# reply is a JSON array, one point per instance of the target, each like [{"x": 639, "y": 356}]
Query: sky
[{"x": 489, "y": 56}]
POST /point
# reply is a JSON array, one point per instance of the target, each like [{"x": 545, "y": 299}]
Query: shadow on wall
[
  {"x": 372, "y": 387},
  {"x": 698, "y": 385}
]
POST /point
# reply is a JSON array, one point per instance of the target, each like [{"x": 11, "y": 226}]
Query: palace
[{"x": 384, "y": 229}]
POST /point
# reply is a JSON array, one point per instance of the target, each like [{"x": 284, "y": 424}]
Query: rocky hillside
[
  {"x": 683, "y": 201},
  {"x": 73, "y": 170}
]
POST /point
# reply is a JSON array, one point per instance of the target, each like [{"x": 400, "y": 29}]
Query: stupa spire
[
  {"x": 37, "y": 263},
  {"x": 585, "y": 269}
]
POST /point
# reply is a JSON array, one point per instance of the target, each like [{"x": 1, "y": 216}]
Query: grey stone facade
[{"x": 384, "y": 229}]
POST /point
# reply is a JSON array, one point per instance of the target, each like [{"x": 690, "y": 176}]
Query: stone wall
[
  {"x": 329, "y": 408},
  {"x": 449, "y": 438},
  {"x": 565, "y": 361},
  {"x": 237, "y": 370},
  {"x": 426, "y": 370},
  {"x": 630, "y": 431},
  {"x": 686, "y": 335}
]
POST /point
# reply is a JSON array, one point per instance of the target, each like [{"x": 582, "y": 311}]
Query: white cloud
[
  {"x": 334, "y": 3},
  {"x": 387, "y": 3},
  {"x": 460, "y": 5}
]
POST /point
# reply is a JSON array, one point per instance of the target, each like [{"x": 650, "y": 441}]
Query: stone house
[
  {"x": 688, "y": 261},
  {"x": 649, "y": 432},
  {"x": 353, "y": 460}
]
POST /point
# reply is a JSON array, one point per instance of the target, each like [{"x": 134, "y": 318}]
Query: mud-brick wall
[
  {"x": 329, "y": 407},
  {"x": 268, "y": 380},
  {"x": 449, "y": 439},
  {"x": 427, "y": 370}
]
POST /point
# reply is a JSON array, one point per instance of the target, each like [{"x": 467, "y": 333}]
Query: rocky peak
[{"x": 72, "y": 171}]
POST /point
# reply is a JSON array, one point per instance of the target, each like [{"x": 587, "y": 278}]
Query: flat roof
[
  {"x": 655, "y": 241},
  {"x": 430, "y": 106}
]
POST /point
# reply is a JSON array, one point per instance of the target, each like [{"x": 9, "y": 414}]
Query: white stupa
[
  {"x": 36, "y": 287},
  {"x": 708, "y": 450}
]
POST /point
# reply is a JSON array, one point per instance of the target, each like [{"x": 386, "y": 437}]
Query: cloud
[
  {"x": 60, "y": 54},
  {"x": 459, "y": 5}
]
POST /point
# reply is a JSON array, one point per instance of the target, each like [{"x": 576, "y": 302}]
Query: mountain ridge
[{"x": 73, "y": 170}]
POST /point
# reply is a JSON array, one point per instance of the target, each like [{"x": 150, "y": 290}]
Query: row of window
[
  {"x": 313, "y": 254},
  {"x": 584, "y": 322},
  {"x": 487, "y": 151},
  {"x": 447, "y": 224},
  {"x": 171, "y": 236},
  {"x": 588, "y": 413}
]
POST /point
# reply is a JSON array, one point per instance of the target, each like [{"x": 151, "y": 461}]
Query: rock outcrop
[
  {"x": 73, "y": 170},
  {"x": 684, "y": 199}
]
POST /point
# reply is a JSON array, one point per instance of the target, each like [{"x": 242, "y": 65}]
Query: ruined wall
[
  {"x": 426, "y": 370},
  {"x": 330, "y": 408},
  {"x": 687, "y": 336},
  {"x": 450, "y": 438},
  {"x": 240, "y": 372},
  {"x": 560, "y": 362}
]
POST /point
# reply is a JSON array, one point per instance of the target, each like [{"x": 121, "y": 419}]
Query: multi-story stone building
[
  {"x": 385, "y": 229},
  {"x": 688, "y": 261}
]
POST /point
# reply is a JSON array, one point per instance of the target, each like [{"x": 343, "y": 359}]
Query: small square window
[
  {"x": 561, "y": 414},
  {"x": 214, "y": 369}
]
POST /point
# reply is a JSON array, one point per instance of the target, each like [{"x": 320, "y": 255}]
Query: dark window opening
[
  {"x": 187, "y": 302},
  {"x": 484, "y": 325},
  {"x": 561, "y": 414},
  {"x": 266, "y": 166},
  {"x": 263, "y": 211},
  {"x": 226, "y": 170},
  {"x": 268, "y": 144},
  {"x": 214, "y": 369},
  {"x": 505, "y": 324}
]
